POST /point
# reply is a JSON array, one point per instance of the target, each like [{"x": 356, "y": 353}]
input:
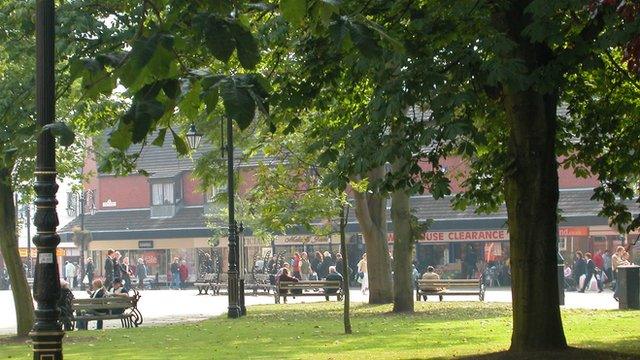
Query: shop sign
[
  {"x": 109, "y": 204},
  {"x": 34, "y": 252},
  {"x": 293, "y": 240},
  {"x": 574, "y": 231},
  {"x": 150, "y": 258},
  {"x": 465, "y": 235},
  {"x": 145, "y": 244}
]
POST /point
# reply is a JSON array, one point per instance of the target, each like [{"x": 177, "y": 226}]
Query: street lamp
[
  {"x": 235, "y": 293},
  {"x": 75, "y": 202},
  {"x": 46, "y": 333}
]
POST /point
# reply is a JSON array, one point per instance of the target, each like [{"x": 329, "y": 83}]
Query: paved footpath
[{"x": 170, "y": 306}]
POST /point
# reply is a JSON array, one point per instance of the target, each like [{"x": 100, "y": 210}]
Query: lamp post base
[{"x": 47, "y": 345}]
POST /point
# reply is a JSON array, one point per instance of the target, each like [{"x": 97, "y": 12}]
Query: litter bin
[
  {"x": 560, "y": 279},
  {"x": 629, "y": 286}
]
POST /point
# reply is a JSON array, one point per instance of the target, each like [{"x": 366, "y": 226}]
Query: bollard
[
  {"x": 560, "y": 279},
  {"x": 629, "y": 286}
]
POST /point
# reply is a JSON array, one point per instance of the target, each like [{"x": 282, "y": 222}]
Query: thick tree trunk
[
  {"x": 531, "y": 190},
  {"x": 370, "y": 212},
  {"x": 402, "y": 252},
  {"x": 9, "y": 248}
]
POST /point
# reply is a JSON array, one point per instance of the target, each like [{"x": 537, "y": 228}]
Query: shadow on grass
[
  {"x": 569, "y": 354},
  {"x": 14, "y": 340}
]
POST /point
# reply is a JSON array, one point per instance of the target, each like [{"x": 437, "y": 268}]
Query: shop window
[{"x": 599, "y": 239}]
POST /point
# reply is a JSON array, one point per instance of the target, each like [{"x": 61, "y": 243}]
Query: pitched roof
[{"x": 576, "y": 204}]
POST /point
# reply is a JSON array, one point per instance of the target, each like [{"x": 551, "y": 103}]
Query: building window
[
  {"x": 162, "y": 194},
  {"x": 562, "y": 243},
  {"x": 213, "y": 192}
]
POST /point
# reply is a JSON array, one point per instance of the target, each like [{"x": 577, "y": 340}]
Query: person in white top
[
  {"x": 70, "y": 271},
  {"x": 363, "y": 277}
]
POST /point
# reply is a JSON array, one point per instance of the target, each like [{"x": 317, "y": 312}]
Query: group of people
[
  {"x": 304, "y": 268},
  {"x": 601, "y": 266},
  {"x": 98, "y": 290},
  {"x": 322, "y": 266},
  {"x": 179, "y": 274},
  {"x": 117, "y": 267}
]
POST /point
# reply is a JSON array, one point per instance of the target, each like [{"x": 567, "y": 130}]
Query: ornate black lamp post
[
  {"x": 80, "y": 202},
  {"x": 234, "y": 309},
  {"x": 47, "y": 332}
]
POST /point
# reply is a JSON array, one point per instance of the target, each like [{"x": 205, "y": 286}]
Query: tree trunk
[
  {"x": 9, "y": 249},
  {"x": 371, "y": 215},
  {"x": 531, "y": 190},
  {"x": 344, "y": 215},
  {"x": 402, "y": 252}
]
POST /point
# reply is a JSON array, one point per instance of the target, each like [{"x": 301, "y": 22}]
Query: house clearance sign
[{"x": 465, "y": 235}]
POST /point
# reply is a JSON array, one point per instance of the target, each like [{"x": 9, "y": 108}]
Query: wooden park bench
[
  {"x": 448, "y": 287},
  {"x": 120, "y": 308},
  {"x": 206, "y": 283},
  {"x": 261, "y": 282},
  {"x": 308, "y": 288},
  {"x": 219, "y": 283}
]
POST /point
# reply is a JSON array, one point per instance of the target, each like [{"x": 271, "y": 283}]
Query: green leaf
[
  {"x": 248, "y": 52},
  {"x": 171, "y": 88},
  {"x": 210, "y": 98},
  {"x": 146, "y": 112},
  {"x": 219, "y": 39},
  {"x": 238, "y": 103},
  {"x": 62, "y": 131},
  {"x": 364, "y": 39},
  {"x": 293, "y": 11},
  {"x": 120, "y": 138},
  {"x": 180, "y": 143},
  {"x": 159, "y": 140}
]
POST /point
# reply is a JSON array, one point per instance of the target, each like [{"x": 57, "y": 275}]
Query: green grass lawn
[{"x": 314, "y": 331}]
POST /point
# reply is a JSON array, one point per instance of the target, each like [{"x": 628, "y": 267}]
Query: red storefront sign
[
  {"x": 465, "y": 235},
  {"x": 150, "y": 258},
  {"x": 574, "y": 231}
]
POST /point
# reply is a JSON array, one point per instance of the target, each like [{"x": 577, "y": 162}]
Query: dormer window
[
  {"x": 166, "y": 195},
  {"x": 163, "y": 194}
]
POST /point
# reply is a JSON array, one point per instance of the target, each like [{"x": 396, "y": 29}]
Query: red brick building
[{"x": 162, "y": 216}]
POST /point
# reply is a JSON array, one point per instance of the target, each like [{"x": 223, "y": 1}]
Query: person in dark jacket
[
  {"x": 323, "y": 268},
  {"x": 579, "y": 267},
  {"x": 175, "y": 273},
  {"x": 108, "y": 268},
  {"x": 590, "y": 272},
  {"x": 332, "y": 276},
  {"x": 286, "y": 277},
  {"x": 118, "y": 268},
  {"x": 64, "y": 304},
  {"x": 89, "y": 270},
  {"x": 316, "y": 261},
  {"x": 97, "y": 291},
  {"x": 141, "y": 273}
]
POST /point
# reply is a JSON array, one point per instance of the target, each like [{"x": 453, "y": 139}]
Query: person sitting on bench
[
  {"x": 430, "y": 275},
  {"x": 332, "y": 276},
  {"x": 98, "y": 292},
  {"x": 118, "y": 290},
  {"x": 285, "y": 277}
]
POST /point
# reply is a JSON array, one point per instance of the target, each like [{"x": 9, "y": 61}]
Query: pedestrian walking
[
  {"x": 89, "y": 271},
  {"x": 590, "y": 273},
  {"x": 141, "y": 272},
  {"x": 305, "y": 266},
  {"x": 363, "y": 277},
  {"x": 184, "y": 274},
  {"x": 108, "y": 269},
  {"x": 70, "y": 271},
  {"x": 579, "y": 268},
  {"x": 295, "y": 265},
  {"x": 175, "y": 273}
]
